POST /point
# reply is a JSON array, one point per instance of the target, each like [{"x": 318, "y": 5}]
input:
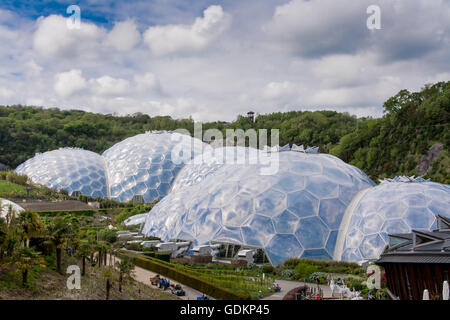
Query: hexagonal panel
[
  {"x": 312, "y": 232},
  {"x": 302, "y": 203}
]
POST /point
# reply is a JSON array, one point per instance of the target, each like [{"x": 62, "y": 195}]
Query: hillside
[{"x": 411, "y": 138}]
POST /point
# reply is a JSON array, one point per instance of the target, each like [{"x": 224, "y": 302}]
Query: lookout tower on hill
[{"x": 251, "y": 116}]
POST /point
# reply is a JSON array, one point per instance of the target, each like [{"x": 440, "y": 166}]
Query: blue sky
[{"x": 213, "y": 60}]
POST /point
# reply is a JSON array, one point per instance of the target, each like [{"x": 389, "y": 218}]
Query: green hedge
[
  {"x": 163, "y": 256},
  {"x": 86, "y": 213},
  {"x": 187, "y": 279}
]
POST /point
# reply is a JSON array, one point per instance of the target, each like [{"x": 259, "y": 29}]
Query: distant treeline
[{"x": 387, "y": 146}]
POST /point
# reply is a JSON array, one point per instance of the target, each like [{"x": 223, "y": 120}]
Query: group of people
[
  {"x": 160, "y": 282},
  {"x": 164, "y": 284}
]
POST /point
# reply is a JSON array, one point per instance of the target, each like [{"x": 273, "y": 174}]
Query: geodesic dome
[
  {"x": 5, "y": 206},
  {"x": 389, "y": 208},
  {"x": 295, "y": 212},
  {"x": 144, "y": 165},
  {"x": 210, "y": 161},
  {"x": 148, "y": 163},
  {"x": 70, "y": 169}
]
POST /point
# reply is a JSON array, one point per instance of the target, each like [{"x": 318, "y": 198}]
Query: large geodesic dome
[
  {"x": 295, "y": 212},
  {"x": 210, "y": 161},
  {"x": 389, "y": 208},
  {"x": 144, "y": 165},
  {"x": 70, "y": 169}
]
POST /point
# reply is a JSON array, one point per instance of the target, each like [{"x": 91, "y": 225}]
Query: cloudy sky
[{"x": 213, "y": 60}]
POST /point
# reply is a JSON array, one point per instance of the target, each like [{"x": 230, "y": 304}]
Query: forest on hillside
[{"x": 415, "y": 126}]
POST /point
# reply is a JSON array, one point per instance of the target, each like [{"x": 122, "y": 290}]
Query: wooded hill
[{"x": 410, "y": 139}]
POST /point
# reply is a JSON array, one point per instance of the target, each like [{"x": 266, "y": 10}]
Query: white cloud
[
  {"x": 124, "y": 36},
  {"x": 211, "y": 69},
  {"x": 281, "y": 90},
  {"x": 109, "y": 86},
  {"x": 53, "y": 39},
  {"x": 147, "y": 82},
  {"x": 169, "y": 39},
  {"x": 69, "y": 83}
]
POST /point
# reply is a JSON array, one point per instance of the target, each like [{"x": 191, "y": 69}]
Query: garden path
[{"x": 143, "y": 276}]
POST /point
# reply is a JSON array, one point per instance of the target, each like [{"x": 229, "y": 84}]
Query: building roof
[
  {"x": 55, "y": 206},
  {"x": 420, "y": 246}
]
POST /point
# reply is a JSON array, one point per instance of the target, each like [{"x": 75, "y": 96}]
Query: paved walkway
[
  {"x": 143, "y": 276},
  {"x": 286, "y": 286}
]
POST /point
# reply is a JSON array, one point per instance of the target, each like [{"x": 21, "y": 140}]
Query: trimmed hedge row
[
  {"x": 187, "y": 279},
  {"x": 86, "y": 213},
  {"x": 159, "y": 256}
]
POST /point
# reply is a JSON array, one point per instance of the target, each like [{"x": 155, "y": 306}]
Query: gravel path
[{"x": 143, "y": 276}]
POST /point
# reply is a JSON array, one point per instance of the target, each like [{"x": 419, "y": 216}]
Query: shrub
[
  {"x": 163, "y": 256},
  {"x": 355, "y": 284},
  {"x": 20, "y": 179},
  {"x": 304, "y": 270},
  {"x": 267, "y": 268},
  {"x": 108, "y": 235},
  {"x": 251, "y": 266},
  {"x": 287, "y": 273},
  {"x": 134, "y": 246}
]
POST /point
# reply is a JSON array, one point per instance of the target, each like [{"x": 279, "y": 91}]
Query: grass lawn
[{"x": 7, "y": 187}]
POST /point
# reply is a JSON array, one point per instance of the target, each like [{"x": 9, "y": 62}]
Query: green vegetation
[
  {"x": 394, "y": 145},
  {"x": 129, "y": 212},
  {"x": 35, "y": 251},
  {"x": 388, "y": 146},
  {"x": 219, "y": 283}
]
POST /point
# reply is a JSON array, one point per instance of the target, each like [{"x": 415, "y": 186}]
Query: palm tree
[
  {"x": 126, "y": 268},
  {"x": 107, "y": 274},
  {"x": 30, "y": 224},
  {"x": 24, "y": 259},
  {"x": 83, "y": 252},
  {"x": 58, "y": 231},
  {"x": 3, "y": 237}
]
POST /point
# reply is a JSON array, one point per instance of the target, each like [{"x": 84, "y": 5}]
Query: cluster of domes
[
  {"x": 292, "y": 202},
  {"x": 140, "y": 165}
]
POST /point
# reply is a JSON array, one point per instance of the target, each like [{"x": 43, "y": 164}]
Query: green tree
[
  {"x": 83, "y": 252},
  {"x": 24, "y": 259},
  {"x": 57, "y": 233},
  {"x": 30, "y": 224},
  {"x": 125, "y": 267}
]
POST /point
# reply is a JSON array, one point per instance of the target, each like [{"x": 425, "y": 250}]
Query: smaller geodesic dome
[
  {"x": 294, "y": 212},
  {"x": 6, "y": 205},
  {"x": 144, "y": 165},
  {"x": 148, "y": 163},
  {"x": 71, "y": 169},
  {"x": 389, "y": 208}
]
